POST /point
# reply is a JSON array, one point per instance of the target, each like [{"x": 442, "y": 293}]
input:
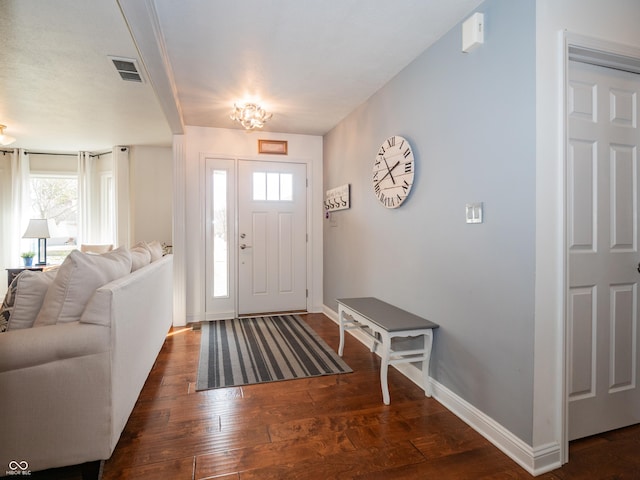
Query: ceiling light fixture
[
  {"x": 250, "y": 115},
  {"x": 5, "y": 139}
]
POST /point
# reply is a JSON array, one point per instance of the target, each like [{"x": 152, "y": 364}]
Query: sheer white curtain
[
  {"x": 97, "y": 211},
  {"x": 8, "y": 258},
  {"x": 86, "y": 204},
  {"x": 122, "y": 196},
  {"x": 20, "y": 208}
]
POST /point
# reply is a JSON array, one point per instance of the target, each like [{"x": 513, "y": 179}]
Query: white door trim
[{"x": 606, "y": 54}]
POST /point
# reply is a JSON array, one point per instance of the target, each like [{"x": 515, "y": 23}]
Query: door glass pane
[
  {"x": 220, "y": 235},
  {"x": 259, "y": 186},
  {"x": 273, "y": 186},
  {"x": 286, "y": 186}
]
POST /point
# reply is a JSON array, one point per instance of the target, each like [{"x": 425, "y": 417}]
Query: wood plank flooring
[{"x": 320, "y": 428}]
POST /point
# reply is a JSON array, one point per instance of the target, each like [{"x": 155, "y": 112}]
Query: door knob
[
  {"x": 243, "y": 246},
  {"x": 639, "y": 268},
  {"x": 242, "y": 235}
]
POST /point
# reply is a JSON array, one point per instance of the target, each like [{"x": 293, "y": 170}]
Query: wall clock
[{"x": 393, "y": 171}]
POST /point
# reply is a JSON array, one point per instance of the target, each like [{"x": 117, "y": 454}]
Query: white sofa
[{"x": 67, "y": 390}]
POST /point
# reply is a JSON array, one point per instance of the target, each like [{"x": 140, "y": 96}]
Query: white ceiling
[{"x": 310, "y": 62}]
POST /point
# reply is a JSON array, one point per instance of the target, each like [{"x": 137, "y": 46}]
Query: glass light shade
[
  {"x": 5, "y": 139},
  {"x": 250, "y": 115}
]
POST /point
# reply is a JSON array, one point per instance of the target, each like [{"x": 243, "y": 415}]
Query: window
[
  {"x": 220, "y": 235},
  {"x": 55, "y": 197},
  {"x": 272, "y": 186}
]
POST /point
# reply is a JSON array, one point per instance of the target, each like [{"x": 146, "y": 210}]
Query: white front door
[
  {"x": 272, "y": 243},
  {"x": 602, "y": 236}
]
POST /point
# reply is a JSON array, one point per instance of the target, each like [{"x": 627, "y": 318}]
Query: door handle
[
  {"x": 639, "y": 268},
  {"x": 243, "y": 246}
]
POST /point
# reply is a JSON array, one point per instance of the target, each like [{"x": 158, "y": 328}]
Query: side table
[{"x": 13, "y": 272}]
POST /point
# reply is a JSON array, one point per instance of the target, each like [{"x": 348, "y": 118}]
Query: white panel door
[
  {"x": 602, "y": 235},
  {"x": 272, "y": 243}
]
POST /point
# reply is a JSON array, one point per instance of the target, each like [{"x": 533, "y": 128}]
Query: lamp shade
[{"x": 37, "y": 228}]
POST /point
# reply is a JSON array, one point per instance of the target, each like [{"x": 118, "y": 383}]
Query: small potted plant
[{"x": 27, "y": 258}]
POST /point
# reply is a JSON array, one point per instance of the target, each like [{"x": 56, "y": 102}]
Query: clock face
[{"x": 393, "y": 172}]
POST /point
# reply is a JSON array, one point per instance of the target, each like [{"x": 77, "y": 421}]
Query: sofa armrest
[
  {"x": 55, "y": 393},
  {"x": 30, "y": 347}
]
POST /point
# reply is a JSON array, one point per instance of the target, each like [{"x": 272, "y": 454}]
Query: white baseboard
[{"x": 535, "y": 460}]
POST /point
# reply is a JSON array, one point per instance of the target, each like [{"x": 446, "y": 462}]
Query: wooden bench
[{"x": 382, "y": 322}]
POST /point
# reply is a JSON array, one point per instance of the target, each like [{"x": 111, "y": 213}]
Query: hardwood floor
[{"x": 320, "y": 428}]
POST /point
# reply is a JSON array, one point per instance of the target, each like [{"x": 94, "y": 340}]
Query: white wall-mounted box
[{"x": 473, "y": 32}]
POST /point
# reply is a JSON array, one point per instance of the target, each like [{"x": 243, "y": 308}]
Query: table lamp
[{"x": 39, "y": 228}]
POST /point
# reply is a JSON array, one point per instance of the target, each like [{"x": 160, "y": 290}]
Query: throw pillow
[
  {"x": 99, "y": 249},
  {"x": 78, "y": 277},
  {"x": 154, "y": 248},
  {"x": 7, "y": 305},
  {"x": 30, "y": 290},
  {"x": 140, "y": 257}
]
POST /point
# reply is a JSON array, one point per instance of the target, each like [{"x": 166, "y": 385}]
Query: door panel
[
  {"x": 602, "y": 221},
  {"x": 272, "y": 270}
]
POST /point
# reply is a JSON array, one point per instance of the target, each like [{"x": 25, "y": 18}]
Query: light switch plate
[{"x": 474, "y": 212}]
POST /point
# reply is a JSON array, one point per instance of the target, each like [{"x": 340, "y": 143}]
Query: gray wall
[{"x": 471, "y": 121}]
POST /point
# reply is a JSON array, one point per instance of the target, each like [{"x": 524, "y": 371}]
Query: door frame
[
  {"x": 605, "y": 54},
  {"x": 310, "y": 245}
]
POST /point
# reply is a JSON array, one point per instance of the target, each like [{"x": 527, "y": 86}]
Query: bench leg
[
  {"x": 341, "y": 321},
  {"x": 384, "y": 369},
  {"x": 428, "y": 343},
  {"x": 375, "y": 341}
]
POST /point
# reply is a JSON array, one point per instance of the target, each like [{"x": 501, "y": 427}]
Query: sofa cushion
[
  {"x": 154, "y": 248},
  {"x": 140, "y": 256},
  {"x": 29, "y": 292},
  {"x": 78, "y": 277}
]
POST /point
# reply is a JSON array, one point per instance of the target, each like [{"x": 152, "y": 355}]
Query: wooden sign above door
[{"x": 274, "y": 147}]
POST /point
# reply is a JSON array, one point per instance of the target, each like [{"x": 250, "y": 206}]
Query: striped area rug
[{"x": 262, "y": 349}]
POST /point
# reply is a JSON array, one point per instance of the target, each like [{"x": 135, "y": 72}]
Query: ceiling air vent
[{"x": 127, "y": 68}]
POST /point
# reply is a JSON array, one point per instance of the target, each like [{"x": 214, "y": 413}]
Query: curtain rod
[
  {"x": 4, "y": 152},
  {"x": 65, "y": 154},
  {"x": 57, "y": 154}
]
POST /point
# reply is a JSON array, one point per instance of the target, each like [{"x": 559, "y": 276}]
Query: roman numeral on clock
[{"x": 407, "y": 167}]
